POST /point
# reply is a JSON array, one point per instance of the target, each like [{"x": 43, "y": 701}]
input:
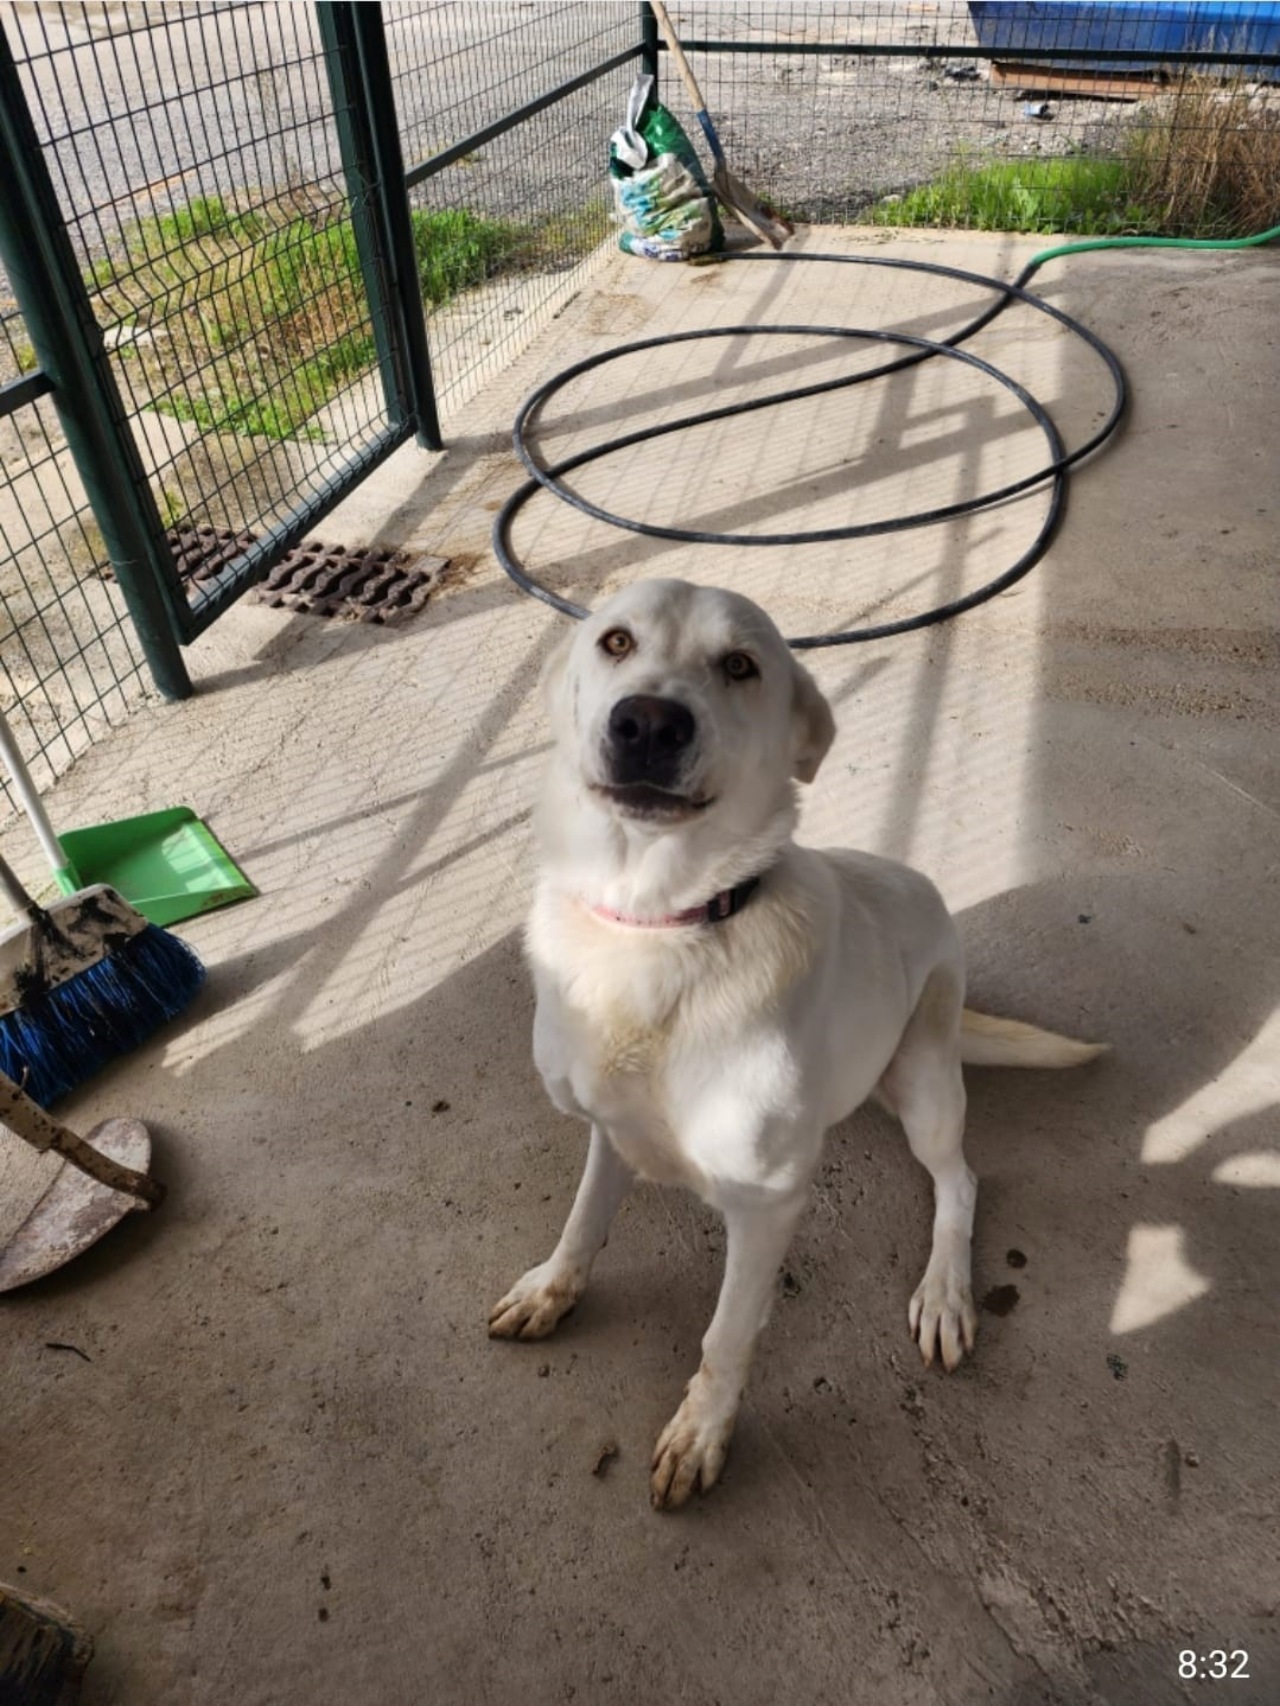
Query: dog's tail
[{"x": 986, "y": 1041}]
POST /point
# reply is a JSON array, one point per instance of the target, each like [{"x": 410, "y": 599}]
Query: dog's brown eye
[
  {"x": 618, "y": 643},
  {"x": 740, "y": 666}
]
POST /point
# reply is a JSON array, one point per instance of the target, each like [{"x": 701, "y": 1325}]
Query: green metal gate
[{"x": 82, "y": 334}]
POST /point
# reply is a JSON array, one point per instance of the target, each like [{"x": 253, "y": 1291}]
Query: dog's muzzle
[{"x": 647, "y": 739}]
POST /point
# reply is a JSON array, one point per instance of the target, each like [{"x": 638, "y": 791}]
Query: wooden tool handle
[
  {"x": 28, "y": 1120},
  {"x": 677, "y": 53}
]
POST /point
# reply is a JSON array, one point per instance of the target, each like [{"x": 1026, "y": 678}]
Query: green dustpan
[{"x": 168, "y": 865}]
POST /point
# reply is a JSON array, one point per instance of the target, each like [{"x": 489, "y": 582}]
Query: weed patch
[
  {"x": 251, "y": 320},
  {"x": 1199, "y": 160},
  {"x": 1074, "y": 193},
  {"x": 1206, "y": 158}
]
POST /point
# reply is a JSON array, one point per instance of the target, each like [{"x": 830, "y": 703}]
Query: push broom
[
  {"x": 81, "y": 982},
  {"x": 731, "y": 192}
]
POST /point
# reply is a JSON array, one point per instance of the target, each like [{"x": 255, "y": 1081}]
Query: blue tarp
[{"x": 1014, "y": 29}]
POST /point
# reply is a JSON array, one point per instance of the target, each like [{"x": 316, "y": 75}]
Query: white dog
[{"x": 711, "y": 996}]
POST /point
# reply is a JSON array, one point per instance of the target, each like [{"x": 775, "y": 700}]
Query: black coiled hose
[{"x": 919, "y": 349}]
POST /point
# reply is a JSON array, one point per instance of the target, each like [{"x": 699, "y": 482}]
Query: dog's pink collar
[{"x": 713, "y": 911}]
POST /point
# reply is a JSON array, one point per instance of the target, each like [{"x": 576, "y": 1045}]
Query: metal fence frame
[{"x": 69, "y": 345}]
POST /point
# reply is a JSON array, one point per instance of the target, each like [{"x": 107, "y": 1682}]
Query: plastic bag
[{"x": 661, "y": 197}]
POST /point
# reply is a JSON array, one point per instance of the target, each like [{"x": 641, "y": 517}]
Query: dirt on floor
[{"x": 258, "y": 1441}]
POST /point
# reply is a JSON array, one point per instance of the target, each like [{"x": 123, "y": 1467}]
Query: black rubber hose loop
[{"x": 921, "y": 349}]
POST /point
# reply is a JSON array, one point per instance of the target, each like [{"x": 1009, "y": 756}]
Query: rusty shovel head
[{"x": 75, "y": 1210}]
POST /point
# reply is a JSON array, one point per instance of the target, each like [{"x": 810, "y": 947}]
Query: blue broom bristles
[{"x": 57, "y": 1039}]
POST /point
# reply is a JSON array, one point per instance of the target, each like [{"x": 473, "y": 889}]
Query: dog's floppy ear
[{"x": 813, "y": 727}]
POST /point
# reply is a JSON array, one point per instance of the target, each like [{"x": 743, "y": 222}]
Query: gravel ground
[{"x": 824, "y": 133}]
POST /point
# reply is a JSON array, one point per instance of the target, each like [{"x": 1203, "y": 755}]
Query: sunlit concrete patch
[
  {"x": 937, "y": 746},
  {"x": 1257, "y": 1169},
  {"x": 1158, "y": 1279},
  {"x": 230, "y": 1024},
  {"x": 1250, "y": 1085},
  {"x": 414, "y": 941}
]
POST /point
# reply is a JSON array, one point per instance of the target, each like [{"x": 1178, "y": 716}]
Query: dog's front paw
[
  {"x": 691, "y": 1450},
  {"x": 535, "y": 1303},
  {"x": 943, "y": 1319}
]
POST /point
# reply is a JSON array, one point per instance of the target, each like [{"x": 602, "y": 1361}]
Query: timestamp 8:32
[{"x": 1218, "y": 1665}]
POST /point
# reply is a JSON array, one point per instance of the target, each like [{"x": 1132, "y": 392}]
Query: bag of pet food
[{"x": 661, "y": 196}]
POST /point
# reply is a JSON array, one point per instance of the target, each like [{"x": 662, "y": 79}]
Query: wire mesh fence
[
  {"x": 1050, "y": 116},
  {"x": 70, "y": 662},
  {"x": 194, "y": 157},
  {"x": 193, "y": 151},
  {"x": 521, "y": 209}
]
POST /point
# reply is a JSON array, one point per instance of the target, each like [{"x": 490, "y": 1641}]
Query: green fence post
[
  {"x": 369, "y": 140},
  {"x": 68, "y": 344}
]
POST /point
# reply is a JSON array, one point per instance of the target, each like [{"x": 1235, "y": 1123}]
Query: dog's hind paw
[
  {"x": 535, "y": 1303},
  {"x": 690, "y": 1453},
  {"x": 943, "y": 1319}
]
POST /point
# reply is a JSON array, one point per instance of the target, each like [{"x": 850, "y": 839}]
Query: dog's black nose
[{"x": 647, "y": 739}]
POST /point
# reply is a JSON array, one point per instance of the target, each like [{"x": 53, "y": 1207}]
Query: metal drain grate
[
  {"x": 202, "y": 552},
  {"x": 362, "y": 586},
  {"x": 320, "y": 580}
]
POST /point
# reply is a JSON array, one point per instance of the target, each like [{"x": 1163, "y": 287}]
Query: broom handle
[
  {"x": 28, "y": 1120},
  {"x": 687, "y": 77},
  {"x": 25, "y": 789}
]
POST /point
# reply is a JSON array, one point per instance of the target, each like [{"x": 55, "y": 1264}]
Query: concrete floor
[{"x": 290, "y": 1470}]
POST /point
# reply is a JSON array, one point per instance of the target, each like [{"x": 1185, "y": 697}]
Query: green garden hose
[{"x": 1152, "y": 243}]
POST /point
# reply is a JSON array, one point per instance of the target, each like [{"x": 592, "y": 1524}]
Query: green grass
[
  {"x": 206, "y": 216},
  {"x": 1201, "y": 159},
  {"x": 1073, "y": 193},
  {"x": 259, "y": 318},
  {"x": 456, "y": 250}
]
